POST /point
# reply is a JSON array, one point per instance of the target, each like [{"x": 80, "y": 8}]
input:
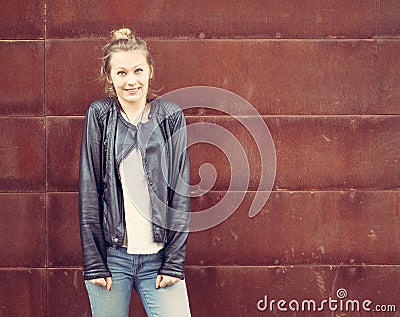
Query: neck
[
  {"x": 136, "y": 106},
  {"x": 133, "y": 110}
]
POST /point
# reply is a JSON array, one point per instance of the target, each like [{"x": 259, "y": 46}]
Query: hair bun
[{"x": 122, "y": 34}]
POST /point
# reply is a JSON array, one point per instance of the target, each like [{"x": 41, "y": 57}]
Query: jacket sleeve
[
  {"x": 179, "y": 208},
  {"x": 90, "y": 207}
]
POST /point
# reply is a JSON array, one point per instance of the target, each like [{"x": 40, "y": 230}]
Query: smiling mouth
[{"x": 132, "y": 90}]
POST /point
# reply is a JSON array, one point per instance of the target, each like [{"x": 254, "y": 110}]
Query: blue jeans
[{"x": 139, "y": 272}]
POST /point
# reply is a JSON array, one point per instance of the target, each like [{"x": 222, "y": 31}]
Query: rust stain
[
  {"x": 372, "y": 235},
  {"x": 321, "y": 283},
  {"x": 326, "y": 138}
]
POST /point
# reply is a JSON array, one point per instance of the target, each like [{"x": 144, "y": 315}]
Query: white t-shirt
[{"x": 138, "y": 215}]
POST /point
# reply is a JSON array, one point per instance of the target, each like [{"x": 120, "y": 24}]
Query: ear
[{"x": 151, "y": 72}]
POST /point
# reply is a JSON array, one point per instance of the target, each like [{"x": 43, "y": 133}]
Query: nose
[{"x": 131, "y": 80}]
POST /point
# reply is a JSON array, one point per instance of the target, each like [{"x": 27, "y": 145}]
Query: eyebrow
[{"x": 122, "y": 67}]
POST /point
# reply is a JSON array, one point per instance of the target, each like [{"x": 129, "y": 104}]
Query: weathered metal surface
[
  {"x": 313, "y": 153},
  {"x": 23, "y": 19},
  {"x": 64, "y": 245},
  {"x": 302, "y": 228},
  {"x": 236, "y": 291},
  {"x": 63, "y": 157},
  {"x": 22, "y": 154},
  {"x": 283, "y": 77},
  {"x": 23, "y": 292},
  {"x": 324, "y": 76},
  {"x": 353, "y": 290},
  {"x": 229, "y": 19},
  {"x": 23, "y": 228},
  {"x": 22, "y": 78},
  {"x": 72, "y": 73},
  {"x": 288, "y": 76}
]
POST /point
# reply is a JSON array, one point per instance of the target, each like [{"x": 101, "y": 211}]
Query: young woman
[{"x": 134, "y": 200}]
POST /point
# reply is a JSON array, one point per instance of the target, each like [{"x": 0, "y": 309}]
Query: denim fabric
[{"x": 139, "y": 272}]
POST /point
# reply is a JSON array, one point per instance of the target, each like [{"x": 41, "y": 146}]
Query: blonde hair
[{"x": 122, "y": 40}]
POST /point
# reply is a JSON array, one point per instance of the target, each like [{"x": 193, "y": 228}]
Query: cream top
[{"x": 138, "y": 215}]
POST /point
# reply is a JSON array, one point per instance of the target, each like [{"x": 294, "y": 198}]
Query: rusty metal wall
[{"x": 324, "y": 76}]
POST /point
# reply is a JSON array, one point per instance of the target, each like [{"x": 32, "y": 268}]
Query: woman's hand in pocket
[{"x": 103, "y": 282}]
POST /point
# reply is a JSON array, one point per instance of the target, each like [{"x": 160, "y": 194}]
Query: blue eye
[
  {"x": 121, "y": 73},
  {"x": 138, "y": 71}
]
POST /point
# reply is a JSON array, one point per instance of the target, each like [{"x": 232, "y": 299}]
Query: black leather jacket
[{"x": 106, "y": 141}]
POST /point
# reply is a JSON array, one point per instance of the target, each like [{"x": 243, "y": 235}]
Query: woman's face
[{"x": 130, "y": 74}]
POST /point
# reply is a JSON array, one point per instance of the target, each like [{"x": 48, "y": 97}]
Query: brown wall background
[{"x": 325, "y": 77}]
